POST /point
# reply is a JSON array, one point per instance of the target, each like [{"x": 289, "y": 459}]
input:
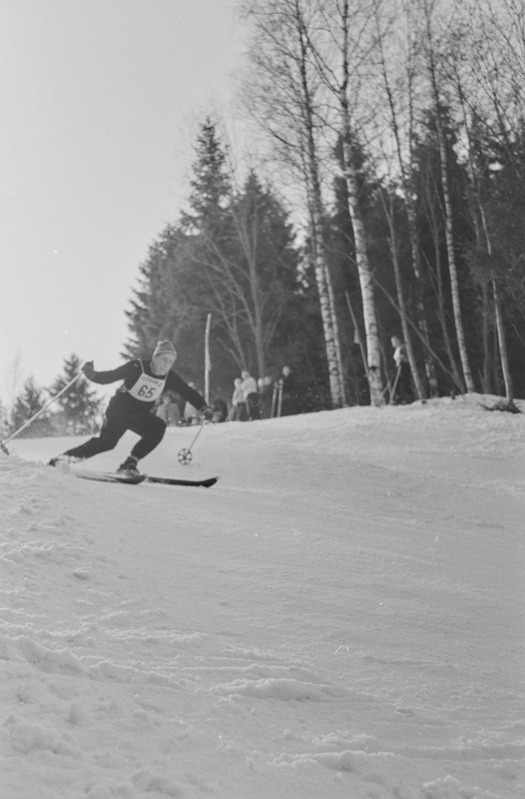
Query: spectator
[
  {"x": 237, "y": 411},
  {"x": 251, "y": 396},
  {"x": 265, "y": 385},
  {"x": 168, "y": 409},
  {"x": 289, "y": 394},
  {"x": 220, "y": 410},
  {"x": 402, "y": 388},
  {"x": 190, "y": 414}
]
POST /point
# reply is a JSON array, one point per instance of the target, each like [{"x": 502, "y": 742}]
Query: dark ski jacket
[{"x": 131, "y": 373}]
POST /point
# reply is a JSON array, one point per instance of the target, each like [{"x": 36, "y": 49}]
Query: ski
[
  {"x": 115, "y": 477},
  {"x": 109, "y": 477},
  {"x": 175, "y": 481}
]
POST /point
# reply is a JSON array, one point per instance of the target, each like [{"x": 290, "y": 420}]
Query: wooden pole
[{"x": 207, "y": 362}]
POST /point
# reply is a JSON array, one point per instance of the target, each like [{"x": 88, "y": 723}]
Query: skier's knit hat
[{"x": 165, "y": 348}]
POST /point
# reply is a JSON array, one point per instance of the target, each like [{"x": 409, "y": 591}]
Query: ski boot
[
  {"x": 63, "y": 462},
  {"x": 129, "y": 467}
]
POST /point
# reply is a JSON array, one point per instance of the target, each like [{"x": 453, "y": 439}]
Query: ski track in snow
[{"x": 340, "y": 616}]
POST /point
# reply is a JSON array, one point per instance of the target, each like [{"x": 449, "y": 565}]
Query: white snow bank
[{"x": 340, "y": 616}]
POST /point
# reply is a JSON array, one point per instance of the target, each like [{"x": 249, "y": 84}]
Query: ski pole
[
  {"x": 393, "y": 392},
  {"x": 388, "y": 388},
  {"x": 185, "y": 455},
  {"x": 38, "y": 413}
]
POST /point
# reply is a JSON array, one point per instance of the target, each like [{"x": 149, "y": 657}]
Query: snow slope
[{"x": 342, "y": 615}]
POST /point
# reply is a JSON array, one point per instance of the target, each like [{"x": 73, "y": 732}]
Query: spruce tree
[
  {"x": 26, "y": 405},
  {"x": 174, "y": 295},
  {"x": 211, "y": 187},
  {"x": 252, "y": 269},
  {"x": 232, "y": 254},
  {"x": 79, "y": 406},
  {"x": 3, "y": 420}
]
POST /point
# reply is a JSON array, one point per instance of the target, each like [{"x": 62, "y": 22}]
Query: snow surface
[{"x": 342, "y": 615}]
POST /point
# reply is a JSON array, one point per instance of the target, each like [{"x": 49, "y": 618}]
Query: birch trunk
[
  {"x": 449, "y": 237},
  {"x": 479, "y": 211},
  {"x": 500, "y": 327},
  {"x": 322, "y": 273},
  {"x": 485, "y": 336},
  {"x": 509, "y": 389},
  {"x": 366, "y": 281},
  {"x": 402, "y": 305},
  {"x": 435, "y": 222},
  {"x": 430, "y": 368},
  {"x": 324, "y": 289},
  {"x": 449, "y": 233}
]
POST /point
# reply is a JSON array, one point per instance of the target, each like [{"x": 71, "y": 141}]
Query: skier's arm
[
  {"x": 111, "y": 376},
  {"x": 177, "y": 384}
]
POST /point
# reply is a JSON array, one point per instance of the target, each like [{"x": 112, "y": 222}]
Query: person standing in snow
[
  {"x": 190, "y": 414},
  {"x": 133, "y": 407},
  {"x": 168, "y": 409},
  {"x": 403, "y": 379},
  {"x": 289, "y": 394},
  {"x": 265, "y": 386},
  {"x": 251, "y": 396},
  {"x": 236, "y": 412}
]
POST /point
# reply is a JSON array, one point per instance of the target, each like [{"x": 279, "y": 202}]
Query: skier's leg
[
  {"x": 254, "y": 406},
  {"x": 110, "y": 434},
  {"x": 406, "y": 379},
  {"x": 151, "y": 430}
]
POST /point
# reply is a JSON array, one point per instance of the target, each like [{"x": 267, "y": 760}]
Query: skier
[{"x": 132, "y": 407}]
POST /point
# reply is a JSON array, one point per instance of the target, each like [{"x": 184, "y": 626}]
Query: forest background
[{"x": 383, "y": 195}]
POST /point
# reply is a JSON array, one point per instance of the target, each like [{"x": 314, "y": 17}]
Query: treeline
[
  {"x": 232, "y": 255},
  {"x": 389, "y": 200},
  {"x": 385, "y": 196}
]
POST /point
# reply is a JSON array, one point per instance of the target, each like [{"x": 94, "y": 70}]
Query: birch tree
[
  {"x": 283, "y": 95},
  {"x": 252, "y": 272},
  {"x": 339, "y": 44},
  {"x": 396, "y": 63},
  {"x": 487, "y": 69},
  {"x": 484, "y": 243},
  {"x": 363, "y": 265},
  {"x": 430, "y": 56}
]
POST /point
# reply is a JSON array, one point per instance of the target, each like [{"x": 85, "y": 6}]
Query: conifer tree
[
  {"x": 3, "y": 419},
  {"x": 174, "y": 295},
  {"x": 252, "y": 271},
  {"x": 231, "y": 255},
  {"x": 79, "y": 405},
  {"x": 27, "y": 404},
  {"x": 211, "y": 187}
]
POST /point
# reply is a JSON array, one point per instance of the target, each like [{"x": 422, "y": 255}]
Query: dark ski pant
[
  {"x": 404, "y": 384},
  {"x": 253, "y": 406},
  {"x": 148, "y": 426}
]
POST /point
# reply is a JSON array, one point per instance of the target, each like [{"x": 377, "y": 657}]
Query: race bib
[{"x": 147, "y": 389}]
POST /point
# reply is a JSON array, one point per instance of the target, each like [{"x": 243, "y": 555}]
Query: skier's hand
[
  {"x": 207, "y": 413},
  {"x": 88, "y": 369}
]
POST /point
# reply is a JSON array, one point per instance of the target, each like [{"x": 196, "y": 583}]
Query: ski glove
[
  {"x": 207, "y": 412},
  {"x": 88, "y": 369}
]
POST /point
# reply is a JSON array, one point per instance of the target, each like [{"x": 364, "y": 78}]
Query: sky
[{"x": 101, "y": 103}]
